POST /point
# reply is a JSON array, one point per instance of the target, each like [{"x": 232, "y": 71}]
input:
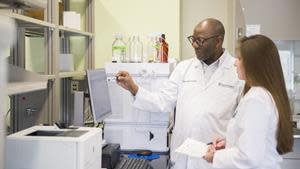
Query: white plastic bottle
[{"x": 118, "y": 49}]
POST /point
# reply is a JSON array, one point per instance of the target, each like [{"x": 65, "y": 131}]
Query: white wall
[
  {"x": 279, "y": 19},
  {"x": 238, "y": 22},
  {"x": 135, "y": 17},
  {"x": 193, "y": 11}
]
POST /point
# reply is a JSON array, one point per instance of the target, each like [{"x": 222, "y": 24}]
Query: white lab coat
[
  {"x": 251, "y": 135},
  {"x": 203, "y": 110}
]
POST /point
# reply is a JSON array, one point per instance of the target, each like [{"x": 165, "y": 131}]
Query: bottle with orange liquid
[{"x": 164, "y": 49}]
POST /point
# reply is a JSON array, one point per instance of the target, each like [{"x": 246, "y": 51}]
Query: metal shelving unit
[
  {"x": 25, "y": 87},
  {"x": 25, "y": 3},
  {"x": 71, "y": 74},
  {"x": 26, "y": 21},
  {"x": 48, "y": 92},
  {"x": 22, "y": 81},
  {"x": 74, "y": 32}
]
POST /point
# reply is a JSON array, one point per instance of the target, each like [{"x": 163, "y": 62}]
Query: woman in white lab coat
[{"x": 261, "y": 128}]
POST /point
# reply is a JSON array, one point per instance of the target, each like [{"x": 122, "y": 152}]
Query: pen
[{"x": 210, "y": 143}]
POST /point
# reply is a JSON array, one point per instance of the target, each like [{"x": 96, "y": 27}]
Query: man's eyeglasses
[{"x": 199, "y": 41}]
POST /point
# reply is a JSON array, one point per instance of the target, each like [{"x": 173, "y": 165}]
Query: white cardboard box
[
  {"x": 66, "y": 62},
  {"x": 71, "y": 19}
]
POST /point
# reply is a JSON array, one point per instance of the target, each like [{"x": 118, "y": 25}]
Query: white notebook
[{"x": 192, "y": 148}]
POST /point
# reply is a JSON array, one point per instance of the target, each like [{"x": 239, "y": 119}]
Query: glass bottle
[
  {"x": 163, "y": 50},
  {"x": 151, "y": 49},
  {"x": 128, "y": 53},
  {"x": 157, "y": 47},
  {"x": 136, "y": 50},
  {"x": 118, "y": 49}
]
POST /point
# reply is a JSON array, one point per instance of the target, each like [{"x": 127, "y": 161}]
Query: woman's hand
[
  {"x": 209, "y": 156},
  {"x": 219, "y": 143}
]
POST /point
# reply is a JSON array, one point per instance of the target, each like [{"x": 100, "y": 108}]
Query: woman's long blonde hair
[{"x": 262, "y": 66}]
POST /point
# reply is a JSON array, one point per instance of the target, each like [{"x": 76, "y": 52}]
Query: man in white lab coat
[{"x": 204, "y": 90}]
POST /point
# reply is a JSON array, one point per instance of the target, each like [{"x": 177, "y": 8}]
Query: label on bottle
[
  {"x": 119, "y": 53},
  {"x": 163, "y": 52},
  {"x": 157, "y": 46},
  {"x": 119, "y": 48}
]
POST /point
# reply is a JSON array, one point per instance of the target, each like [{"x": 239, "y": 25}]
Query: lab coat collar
[
  {"x": 221, "y": 61},
  {"x": 226, "y": 60},
  {"x": 225, "y": 64}
]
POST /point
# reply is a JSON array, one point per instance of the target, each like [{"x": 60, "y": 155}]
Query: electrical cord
[{"x": 7, "y": 120}]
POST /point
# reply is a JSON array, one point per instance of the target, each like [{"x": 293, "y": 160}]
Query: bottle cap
[{"x": 118, "y": 36}]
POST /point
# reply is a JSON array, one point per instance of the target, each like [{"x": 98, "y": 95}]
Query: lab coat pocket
[
  {"x": 221, "y": 104},
  {"x": 222, "y": 100},
  {"x": 187, "y": 87},
  {"x": 189, "y": 81},
  {"x": 226, "y": 85}
]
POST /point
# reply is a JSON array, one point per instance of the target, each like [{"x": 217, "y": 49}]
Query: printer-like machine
[
  {"x": 50, "y": 147},
  {"x": 46, "y": 147}
]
